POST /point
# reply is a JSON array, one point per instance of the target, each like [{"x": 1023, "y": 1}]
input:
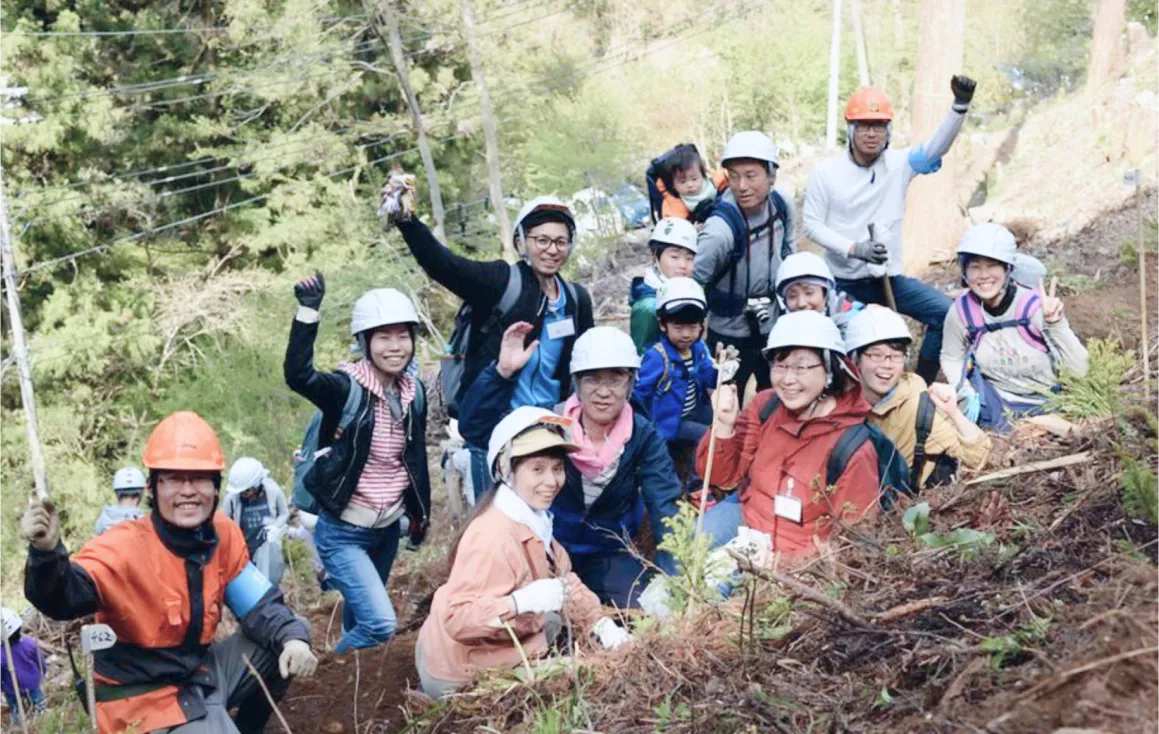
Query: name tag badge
[
  {"x": 787, "y": 507},
  {"x": 561, "y": 329}
]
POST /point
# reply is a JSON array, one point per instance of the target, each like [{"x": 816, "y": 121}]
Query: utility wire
[{"x": 153, "y": 31}]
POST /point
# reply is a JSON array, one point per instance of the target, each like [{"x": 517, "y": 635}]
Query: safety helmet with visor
[
  {"x": 989, "y": 240},
  {"x": 809, "y": 330},
  {"x": 377, "y": 308},
  {"x": 10, "y": 622},
  {"x": 673, "y": 232},
  {"x": 246, "y": 473},
  {"x": 869, "y": 104},
  {"x": 804, "y": 267},
  {"x": 681, "y": 299}
]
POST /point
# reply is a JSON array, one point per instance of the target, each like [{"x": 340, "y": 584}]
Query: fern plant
[{"x": 1095, "y": 394}]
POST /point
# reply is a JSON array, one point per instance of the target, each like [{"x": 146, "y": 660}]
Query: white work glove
[
  {"x": 296, "y": 659},
  {"x": 610, "y": 634},
  {"x": 654, "y": 599},
  {"x": 730, "y": 364},
  {"x": 40, "y": 524},
  {"x": 398, "y": 199},
  {"x": 539, "y": 597},
  {"x": 275, "y": 533},
  {"x": 752, "y": 544}
]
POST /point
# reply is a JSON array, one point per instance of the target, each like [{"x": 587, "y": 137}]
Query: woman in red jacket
[{"x": 776, "y": 453}]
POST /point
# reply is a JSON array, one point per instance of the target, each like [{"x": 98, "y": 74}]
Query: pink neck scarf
[{"x": 590, "y": 461}]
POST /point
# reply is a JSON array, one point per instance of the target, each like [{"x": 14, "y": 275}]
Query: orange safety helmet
[
  {"x": 869, "y": 104},
  {"x": 183, "y": 441}
]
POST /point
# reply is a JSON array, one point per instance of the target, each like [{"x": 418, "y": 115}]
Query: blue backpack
[
  {"x": 733, "y": 304},
  {"x": 308, "y": 452}
]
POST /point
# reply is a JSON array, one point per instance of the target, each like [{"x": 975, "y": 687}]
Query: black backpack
[{"x": 660, "y": 169}]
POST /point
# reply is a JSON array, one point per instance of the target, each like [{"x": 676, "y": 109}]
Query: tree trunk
[
  {"x": 490, "y": 139},
  {"x": 1106, "y": 44},
  {"x": 859, "y": 43},
  {"x": 933, "y": 220},
  {"x": 834, "y": 72},
  {"x": 386, "y": 26}
]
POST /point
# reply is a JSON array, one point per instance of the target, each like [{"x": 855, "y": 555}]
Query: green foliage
[
  {"x": 668, "y": 715},
  {"x": 1003, "y": 648},
  {"x": 1097, "y": 393},
  {"x": 916, "y": 520},
  {"x": 1057, "y": 39},
  {"x": 966, "y": 541},
  {"x": 690, "y": 551},
  {"x": 1145, "y": 12},
  {"x": 1140, "y": 491}
]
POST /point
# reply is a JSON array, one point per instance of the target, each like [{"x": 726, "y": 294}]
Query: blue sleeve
[
  {"x": 706, "y": 371},
  {"x": 246, "y": 589},
  {"x": 651, "y": 370},
  {"x": 484, "y": 405},
  {"x": 660, "y": 486}
]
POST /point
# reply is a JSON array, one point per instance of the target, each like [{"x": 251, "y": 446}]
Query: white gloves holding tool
[
  {"x": 398, "y": 199},
  {"x": 729, "y": 361}
]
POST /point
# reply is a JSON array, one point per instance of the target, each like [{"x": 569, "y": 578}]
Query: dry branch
[
  {"x": 796, "y": 588},
  {"x": 1069, "y": 460}
]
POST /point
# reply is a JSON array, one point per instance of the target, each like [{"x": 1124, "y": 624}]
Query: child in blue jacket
[{"x": 677, "y": 372}]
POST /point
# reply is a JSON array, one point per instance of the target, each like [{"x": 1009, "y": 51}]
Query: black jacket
[
  {"x": 328, "y": 391},
  {"x": 481, "y": 284}
]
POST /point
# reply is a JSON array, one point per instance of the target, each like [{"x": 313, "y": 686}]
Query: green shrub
[
  {"x": 1140, "y": 491},
  {"x": 1097, "y": 393}
]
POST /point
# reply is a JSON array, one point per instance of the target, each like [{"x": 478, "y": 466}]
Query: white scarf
[
  {"x": 653, "y": 278},
  {"x": 516, "y": 508}
]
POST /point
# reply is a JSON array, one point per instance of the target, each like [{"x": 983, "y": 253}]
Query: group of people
[{"x": 574, "y": 431}]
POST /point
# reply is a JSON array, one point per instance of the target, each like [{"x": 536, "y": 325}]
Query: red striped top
[{"x": 384, "y": 479}]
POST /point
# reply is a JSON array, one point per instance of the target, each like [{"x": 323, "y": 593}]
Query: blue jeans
[
  {"x": 358, "y": 561},
  {"x": 915, "y": 299},
  {"x": 480, "y": 472},
  {"x": 35, "y": 697},
  {"x": 617, "y": 578},
  {"x": 722, "y": 519}
]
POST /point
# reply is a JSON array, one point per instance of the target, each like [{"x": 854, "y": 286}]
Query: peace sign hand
[
  {"x": 512, "y": 354},
  {"x": 1052, "y": 308}
]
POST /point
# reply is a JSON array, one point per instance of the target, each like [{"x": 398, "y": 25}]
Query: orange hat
[
  {"x": 869, "y": 104},
  {"x": 184, "y": 442}
]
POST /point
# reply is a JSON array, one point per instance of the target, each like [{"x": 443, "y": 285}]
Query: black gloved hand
[
  {"x": 703, "y": 210},
  {"x": 309, "y": 291},
  {"x": 963, "y": 89},
  {"x": 417, "y": 533},
  {"x": 871, "y": 251}
]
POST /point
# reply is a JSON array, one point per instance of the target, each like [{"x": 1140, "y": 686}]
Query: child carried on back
[{"x": 688, "y": 189}]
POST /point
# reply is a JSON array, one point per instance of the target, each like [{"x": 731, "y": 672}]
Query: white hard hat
[
  {"x": 989, "y": 240},
  {"x": 519, "y": 421},
  {"x": 805, "y": 329},
  {"x": 677, "y": 292},
  {"x": 246, "y": 473},
  {"x": 543, "y": 203},
  {"x": 10, "y": 621},
  {"x": 603, "y": 347},
  {"x": 129, "y": 480},
  {"x": 674, "y": 231},
  {"x": 752, "y": 144},
  {"x": 381, "y": 307},
  {"x": 804, "y": 265},
  {"x": 875, "y": 324},
  {"x": 1027, "y": 270}
]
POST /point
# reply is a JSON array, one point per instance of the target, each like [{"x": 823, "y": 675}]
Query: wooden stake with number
[{"x": 94, "y": 637}]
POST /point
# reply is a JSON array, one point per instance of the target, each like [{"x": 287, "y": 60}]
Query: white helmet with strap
[
  {"x": 873, "y": 325},
  {"x": 10, "y": 621},
  {"x": 246, "y": 473},
  {"x": 989, "y": 240},
  {"x": 542, "y": 204},
  {"x": 676, "y": 232},
  {"x": 754, "y": 145},
  {"x": 381, "y": 307},
  {"x": 812, "y": 330},
  {"x": 128, "y": 480},
  {"x": 677, "y": 292},
  {"x": 602, "y": 348},
  {"x": 804, "y": 266},
  {"x": 520, "y": 421}
]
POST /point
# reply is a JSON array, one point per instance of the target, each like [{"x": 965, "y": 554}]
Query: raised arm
[
  {"x": 320, "y": 388},
  {"x": 479, "y": 283}
]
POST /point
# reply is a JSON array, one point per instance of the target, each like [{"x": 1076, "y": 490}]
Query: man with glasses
[
  {"x": 559, "y": 311},
  {"x": 865, "y": 187},
  {"x": 740, "y": 249},
  {"x": 925, "y": 424}
]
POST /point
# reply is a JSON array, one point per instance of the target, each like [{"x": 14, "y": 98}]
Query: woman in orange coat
[
  {"x": 777, "y": 452},
  {"x": 509, "y": 576}
]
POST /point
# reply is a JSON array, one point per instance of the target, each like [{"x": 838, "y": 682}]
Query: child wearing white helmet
[
  {"x": 367, "y": 476},
  {"x": 1005, "y": 343},
  {"x": 128, "y": 485},
  {"x": 785, "y": 447},
  {"x": 924, "y": 423},
  {"x": 673, "y": 246},
  {"x": 28, "y": 660},
  {"x": 741, "y": 248},
  {"x": 804, "y": 282},
  {"x": 258, "y": 505},
  {"x": 622, "y": 466},
  {"x": 508, "y": 566}
]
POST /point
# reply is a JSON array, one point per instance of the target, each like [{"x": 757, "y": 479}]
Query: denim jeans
[
  {"x": 480, "y": 472},
  {"x": 722, "y": 520},
  {"x": 358, "y": 562},
  {"x": 35, "y": 697},
  {"x": 915, "y": 299},
  {"x": 617, "y": 578}
]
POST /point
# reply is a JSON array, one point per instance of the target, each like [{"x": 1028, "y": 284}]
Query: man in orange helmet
[
  {"x": 865, "y": 187},
  {"x": 160, "y": 582}
]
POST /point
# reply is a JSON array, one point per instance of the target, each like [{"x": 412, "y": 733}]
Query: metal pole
[
  {"x": 834, "y": 72},
  {"x": 20, "y": 350}
]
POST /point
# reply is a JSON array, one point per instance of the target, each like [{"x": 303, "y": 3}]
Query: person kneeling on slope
[
  {"x": 673, "y": 246},
  {"x": 805, "y": 283},
  {"x": 925, "y": 424},
  {"x": 509, "y": 575},
  {"x": 621, "y": 468},
  {"x": 1005, "y": 343},
  {"x": 161, "y": 582},
  {"x": 128, "y": 485}
]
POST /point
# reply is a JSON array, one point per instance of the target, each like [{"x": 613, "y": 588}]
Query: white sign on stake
[{"x": 95, "y": 637}]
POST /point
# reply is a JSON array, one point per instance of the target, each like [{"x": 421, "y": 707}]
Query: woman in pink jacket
[{"x": 508, "y": 574}]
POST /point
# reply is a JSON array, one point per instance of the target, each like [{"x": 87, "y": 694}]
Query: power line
[{"x": 152, "y": 31}]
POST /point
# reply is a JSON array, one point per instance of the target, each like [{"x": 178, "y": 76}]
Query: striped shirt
[
  {"x": 384, "y": 478},
  {"x": 690, "y": 396}
]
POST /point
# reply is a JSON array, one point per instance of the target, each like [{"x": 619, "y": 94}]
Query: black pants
[{"x": 752, "y": 362}]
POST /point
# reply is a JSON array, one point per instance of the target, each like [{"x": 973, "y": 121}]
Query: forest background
[{"x": 191, "y": 160}]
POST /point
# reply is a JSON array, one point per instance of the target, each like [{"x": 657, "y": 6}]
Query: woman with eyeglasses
[
  {"x": 924, "y": 423},
  {"x": 621, "y": 467},
  {"x": 776, "y": 451},
  {"x": 497, "y": 294}
]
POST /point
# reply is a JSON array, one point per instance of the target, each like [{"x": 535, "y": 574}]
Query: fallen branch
[
  {"x": 796, "y": 588},
  {"x": 1069, "y": 460},
  {"x": 1062, "y": 677},
  {"x": 273, "y": 705},
  {"x": 913, "y": 607}
]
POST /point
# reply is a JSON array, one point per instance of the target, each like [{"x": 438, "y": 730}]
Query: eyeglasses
[
  {"x": 885, "y": 357},
  {"x": 543, "y": 242},
  {"x": 610, "y": 382},
  {"x": 870, "y": 126},
  {"x": 798, "y": 370}
]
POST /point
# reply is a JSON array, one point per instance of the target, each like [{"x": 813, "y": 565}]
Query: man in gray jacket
[{"x": 739, "y": 250}]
